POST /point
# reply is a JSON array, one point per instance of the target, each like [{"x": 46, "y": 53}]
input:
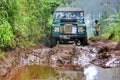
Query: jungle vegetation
[
  {"x": 25, "y": 22},
  {"x": 110, "y": 23}
]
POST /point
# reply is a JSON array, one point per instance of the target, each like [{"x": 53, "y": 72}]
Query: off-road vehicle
[{"x": 68, "y": 25}]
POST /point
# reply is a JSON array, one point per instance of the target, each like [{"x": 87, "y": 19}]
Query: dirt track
[{"x": 66, "y": 57}]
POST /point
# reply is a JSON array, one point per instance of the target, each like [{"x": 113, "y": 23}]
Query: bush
[
  {"x": 25, "y": 21},
  {"x": 6, "y": 35},
  {"x": 112, "y": 32}
]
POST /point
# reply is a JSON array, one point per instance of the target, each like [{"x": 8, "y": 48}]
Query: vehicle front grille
[{"x": 68, "y": 29}]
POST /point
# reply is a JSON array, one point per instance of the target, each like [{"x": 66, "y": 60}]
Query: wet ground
[
  {"x": 101, "y": 53},
  {"x": 108, "y": 73}
]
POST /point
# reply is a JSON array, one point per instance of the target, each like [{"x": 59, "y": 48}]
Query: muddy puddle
[
  {"x": 71, "y": 75},
  {"x": 36, "y": 72},
  {"x": 64, "y": 62},
  {"x": 98, "y": 73},
  {"x": 108, "y": 74}
]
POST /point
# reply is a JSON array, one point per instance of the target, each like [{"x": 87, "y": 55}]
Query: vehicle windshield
[{"x": 69, "y": 14}]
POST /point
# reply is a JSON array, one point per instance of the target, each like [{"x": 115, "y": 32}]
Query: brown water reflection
[{"x": 36, "y": 72}]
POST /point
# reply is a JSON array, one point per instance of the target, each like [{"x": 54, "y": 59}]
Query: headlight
[
  {"x": 56, "y": 29},
  {"x": 80, "y": 29}
]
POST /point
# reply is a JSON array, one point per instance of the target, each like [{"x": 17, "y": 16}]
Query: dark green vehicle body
[{"x": 68, "y": 25}]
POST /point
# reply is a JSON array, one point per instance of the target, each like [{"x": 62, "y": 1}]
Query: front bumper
[{"x": 70, "y": 37}]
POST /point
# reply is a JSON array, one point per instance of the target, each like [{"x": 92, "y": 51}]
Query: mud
[
  {"x": 118, "y": 46},
  {"x": 100, "y": 53}
]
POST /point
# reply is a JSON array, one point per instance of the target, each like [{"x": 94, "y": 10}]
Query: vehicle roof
[{"x": 68, "y": 9}]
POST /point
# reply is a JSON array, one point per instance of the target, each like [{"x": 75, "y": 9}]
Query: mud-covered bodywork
[{"x": 68, "y": 25}]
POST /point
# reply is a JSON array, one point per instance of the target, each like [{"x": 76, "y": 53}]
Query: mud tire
[{"x": 53, "y": 42}]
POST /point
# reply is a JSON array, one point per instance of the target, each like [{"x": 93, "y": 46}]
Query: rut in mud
[{"x": 62, "y": 57}]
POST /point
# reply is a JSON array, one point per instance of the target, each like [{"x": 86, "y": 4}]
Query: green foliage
[
  {"x": 110, "y": 22},
  {"x": 113, "y": 29},
  {"x": 6, "y": 35},
  {"x": 47, "y": 12},
  {"x": 25, "y": 20}
]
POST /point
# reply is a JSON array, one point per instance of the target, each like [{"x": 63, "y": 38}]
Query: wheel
[
  {"x": 78, "y": 42},
  {"x": 53, "y": 42}
]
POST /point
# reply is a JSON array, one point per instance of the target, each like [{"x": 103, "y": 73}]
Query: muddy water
[
  {"x": 108, "y": 74},
  {"x": 36, "y": 72},
  {"x": 91, "y": 73},
  {"x": 71, "y": 75},
  {"x": 98, "y": 73},
  {"x": 20, "y": 66}
]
